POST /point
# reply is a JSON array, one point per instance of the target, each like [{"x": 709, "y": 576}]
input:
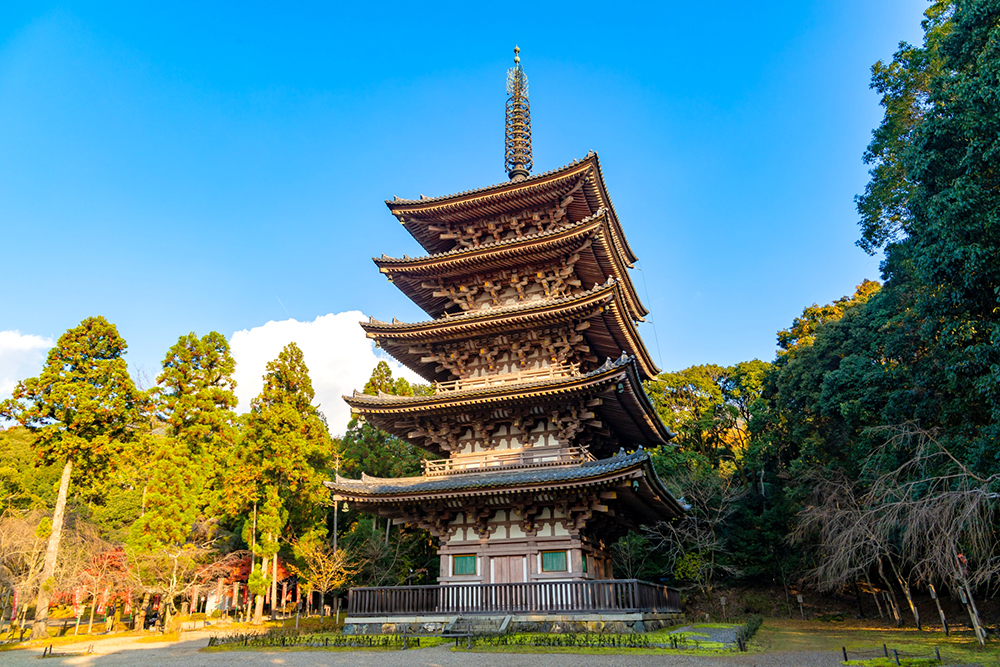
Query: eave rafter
[
  {"x": 600, "y": 314},
  {"x": 626, "y": 481},
  {"x": 547, "y": 188},
  {"x": 623, "y": 404},
  {"x": 589, "y": 243}
]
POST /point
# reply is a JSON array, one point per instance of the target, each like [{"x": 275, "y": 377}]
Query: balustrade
[
  {"x": 484, "y": 381},
  {"x": 562, "y": 597},
  {"x": 527, "y": 457}
]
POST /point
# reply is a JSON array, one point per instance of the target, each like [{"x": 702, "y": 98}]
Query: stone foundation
[{"x": 554, "y": 623}]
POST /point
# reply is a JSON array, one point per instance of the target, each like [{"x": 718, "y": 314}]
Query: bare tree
[
  {"x": 325, "y": 568},
  {"x": 630, "y": 555},
  {"x": 23, "y": 538},
  {"x": 930, "y": 519},
  {"x": 104, "y": 574},
  {"x": 695, "y": 545},
  {"x": 174, "y": 571}
]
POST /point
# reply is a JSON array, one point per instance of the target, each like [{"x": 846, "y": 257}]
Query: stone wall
[{"x": 557, "y": 625}]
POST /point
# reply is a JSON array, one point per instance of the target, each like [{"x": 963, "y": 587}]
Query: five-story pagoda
[{"x": 538, "y": 409}]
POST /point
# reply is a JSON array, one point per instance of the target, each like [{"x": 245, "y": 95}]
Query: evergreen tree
[
  {"x": 369, "y": 450},
  {"x": 80, "y": 409},
  {"x": 286, "y": 444},
  {"x": 197, "y": 402},
  {"x": 277, "y": 467}
]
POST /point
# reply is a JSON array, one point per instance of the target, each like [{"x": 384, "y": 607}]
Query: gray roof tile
[{"x": 374, "y": 486}]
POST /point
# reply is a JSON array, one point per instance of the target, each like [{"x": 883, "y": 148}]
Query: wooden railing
[
  {"x": 528, "y": 457},
  {"x": 481, "y": 382},
  {"x": 562, "y": 597}
]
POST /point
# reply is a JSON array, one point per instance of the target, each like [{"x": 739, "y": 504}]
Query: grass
[
  {"x": 661, "y": 636},
  {"x": 704, "y": 647},
  {"x": 775, "y": 635},
  {"x": 425, "y": 642},
  {"x": 792, "y": 635},
  {"x": 808, "y": 636},
  {"x": 585, "y": 650}
]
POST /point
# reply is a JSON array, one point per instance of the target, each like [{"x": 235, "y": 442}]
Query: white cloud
[
  {"x": 21, "y": 356},
  {"x": 339, "y": 356}
]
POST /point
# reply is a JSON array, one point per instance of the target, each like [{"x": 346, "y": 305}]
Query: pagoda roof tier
[
  {"x": 547, "y": 189},
  {"x": 624, "y": 405},
  {"x": 600, "y": 314},
  {"x": 638, "y": 488},
  {"x": 592, "y": 239}
]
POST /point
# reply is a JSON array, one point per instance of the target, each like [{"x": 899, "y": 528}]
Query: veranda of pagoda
[{"x": 538, "y": 411}]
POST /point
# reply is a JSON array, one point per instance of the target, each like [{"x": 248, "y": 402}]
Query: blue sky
[{"x": 195, "y": 167}]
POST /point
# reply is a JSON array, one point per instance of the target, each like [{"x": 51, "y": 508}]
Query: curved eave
[
  {"x": 651, "y": 499},
  {"x": 625, "y": 405},
  {"x": 603, "y": 195},
  {"x": 538, "y": 190},
  {"x": 410, "y": 274},
  {"x": 605, "y": 302}
]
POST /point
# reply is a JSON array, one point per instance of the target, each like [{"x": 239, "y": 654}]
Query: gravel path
[
  {"x": 721, "y": 635},
  {"x": 186, "y": 654}
]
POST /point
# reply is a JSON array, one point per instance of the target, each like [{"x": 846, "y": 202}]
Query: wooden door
[{"x": 508, "y": 569}]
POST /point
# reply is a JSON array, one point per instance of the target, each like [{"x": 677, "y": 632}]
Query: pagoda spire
[{"x": 517, "y": 144}]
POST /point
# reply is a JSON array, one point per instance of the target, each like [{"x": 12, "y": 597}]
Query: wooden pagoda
[{"x": 538, "y": 411}]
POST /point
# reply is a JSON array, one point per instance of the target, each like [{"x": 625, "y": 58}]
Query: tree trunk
[
  {"x": 965, "y": 592},
  {"x": 274, "y": 586},
  {"x": 874, "y": 595},
  {"x": 944, "y": 621},
  {"x": 890, "y": 595},
  {"x": 90, "y": 623},
  {"x": 140, "y": 618},
  {"x": 3, "y": 605},
  {"x": 39, "y": 629},
  {"x": 905, "y": 585},
  {"x": 258, "y": 612}
]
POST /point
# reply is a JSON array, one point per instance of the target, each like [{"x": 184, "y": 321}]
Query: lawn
[
  {"x": 697, "y": 643},
  {"x": 793, "y": 635}
]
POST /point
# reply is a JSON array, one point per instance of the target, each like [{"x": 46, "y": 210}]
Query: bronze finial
[{"x": 517, "y": 144}]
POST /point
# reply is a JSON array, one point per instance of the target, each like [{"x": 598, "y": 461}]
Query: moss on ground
[{"x": 861, "y": 635}]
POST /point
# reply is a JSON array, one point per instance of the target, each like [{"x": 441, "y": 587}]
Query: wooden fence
[{"x": 562, "y": 597}]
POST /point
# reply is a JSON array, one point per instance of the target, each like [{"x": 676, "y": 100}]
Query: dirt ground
[{"x": 187, "y": 653}]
